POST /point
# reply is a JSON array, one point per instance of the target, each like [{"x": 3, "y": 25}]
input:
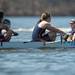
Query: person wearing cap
[
  {"x": 9, "y": 32},
  {"x": 71, "y": 37},
  {"x": 72, "y": 23}
]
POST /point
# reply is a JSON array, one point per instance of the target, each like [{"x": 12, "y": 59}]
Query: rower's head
[
  {"x": 6, "y": 21},
  {"x": 1, "y": 15},
  {"x": 46, "y": 16},
  {"x": 72, "y": 23}
]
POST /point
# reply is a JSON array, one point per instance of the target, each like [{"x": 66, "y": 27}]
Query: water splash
[
  {"x": 31, "y": 29},
  {"x": 24, "y": 29}
]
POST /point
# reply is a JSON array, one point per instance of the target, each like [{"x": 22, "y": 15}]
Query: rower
[
  {"x": 5, "y": 31},
  {"x": 71, "y": 36},
  {"x": 39, "y": 32},
  {"x": 1, "y": 26},
  {"x": 8, "y": 23},
  {"x": 9, "y": 32}
]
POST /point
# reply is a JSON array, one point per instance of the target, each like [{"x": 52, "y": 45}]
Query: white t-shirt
[{"x": 4, "y": 32}]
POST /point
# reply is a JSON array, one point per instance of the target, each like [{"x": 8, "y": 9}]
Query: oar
[{"x": 15, "y": 34}]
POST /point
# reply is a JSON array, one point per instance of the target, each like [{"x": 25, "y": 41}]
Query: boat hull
[{"x": 22, "y": 45}]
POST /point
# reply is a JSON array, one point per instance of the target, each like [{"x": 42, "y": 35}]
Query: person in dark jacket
[{"x": 5, "y": 30}]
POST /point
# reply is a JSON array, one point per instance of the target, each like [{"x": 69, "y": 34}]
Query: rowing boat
[{"x": 22, "y": 45}]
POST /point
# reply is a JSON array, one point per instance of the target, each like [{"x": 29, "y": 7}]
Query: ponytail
[{"x": 44, "y": 16}]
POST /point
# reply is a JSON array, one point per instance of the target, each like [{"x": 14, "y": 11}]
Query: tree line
[{"x": 36, "y": 7}]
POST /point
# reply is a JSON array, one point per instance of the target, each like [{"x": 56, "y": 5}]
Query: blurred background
[{"x": 36, "y": 7}]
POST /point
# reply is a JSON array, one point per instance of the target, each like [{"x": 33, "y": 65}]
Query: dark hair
[
  {"x": 6, "y": 21},
  {"x": 44, "y": 16},
  {"x": 1, "y": 14}
]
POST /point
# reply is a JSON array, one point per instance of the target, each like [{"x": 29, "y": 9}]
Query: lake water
[{"x": 36, "y": 61}]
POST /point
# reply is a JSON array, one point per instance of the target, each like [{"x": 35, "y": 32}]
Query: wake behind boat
[{"x": 24, "y": 45}]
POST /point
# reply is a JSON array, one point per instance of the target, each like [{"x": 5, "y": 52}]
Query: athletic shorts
[
  {"x": 46, "y": 37},
  {"x": 49, "y": 37}
]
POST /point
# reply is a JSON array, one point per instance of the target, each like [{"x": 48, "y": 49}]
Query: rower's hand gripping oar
[{"x": 65, "y": 37}]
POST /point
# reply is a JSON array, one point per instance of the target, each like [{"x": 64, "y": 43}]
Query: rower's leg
[
  {"x": 73, "y": 37},
  {"x": 50, "y": 36}
]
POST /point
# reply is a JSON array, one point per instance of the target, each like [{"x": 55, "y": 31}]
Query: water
[{"x": 36, "y": 61}]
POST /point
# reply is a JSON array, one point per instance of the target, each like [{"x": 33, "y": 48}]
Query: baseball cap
[{"x": 72, "y": 21}]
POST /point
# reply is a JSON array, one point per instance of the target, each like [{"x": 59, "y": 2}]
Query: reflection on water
[{"x": 37, "y": 62}]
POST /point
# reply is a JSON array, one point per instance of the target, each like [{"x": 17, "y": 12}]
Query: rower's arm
[
  {"x": 14, "y": 33},
  {"x": 53, "y": 29}
]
